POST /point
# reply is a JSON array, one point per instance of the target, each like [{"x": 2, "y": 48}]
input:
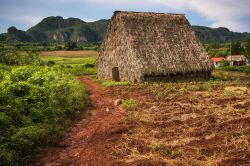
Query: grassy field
[
  {"x": 76, "y": 62},
  {"x": 69, "y": 57}
]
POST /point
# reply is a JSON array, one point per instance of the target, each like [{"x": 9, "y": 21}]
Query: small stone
[
  {"x": 107, "y": 109},
  {"x": 117, "y": 102},
  {"x": 153, "y": 109}
]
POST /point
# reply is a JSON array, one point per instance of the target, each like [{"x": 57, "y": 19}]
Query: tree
[
  {"x": 70, "y": 45},
  {"x": 236, "y": 48},
  {"x": 247, "y": 49}
]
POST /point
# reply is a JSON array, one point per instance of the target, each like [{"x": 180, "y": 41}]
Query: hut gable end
[{"x": 152, "y": 45}]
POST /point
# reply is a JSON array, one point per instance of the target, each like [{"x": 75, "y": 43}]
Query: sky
[{"x": 23, "y": 14}]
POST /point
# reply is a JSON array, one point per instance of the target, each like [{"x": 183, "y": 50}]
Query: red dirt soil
[{"x": 88, "y": 141}]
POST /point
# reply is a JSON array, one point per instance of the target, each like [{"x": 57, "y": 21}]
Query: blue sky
[{"x": 233, "y": 14}]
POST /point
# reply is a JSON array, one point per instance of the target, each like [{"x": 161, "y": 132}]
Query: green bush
[
  {"x": 244, "y": 69},
  {"x": 129, "y": 105},
  {"x": 225, "y": 63},
  {"x": 51, "y": 63},
  {"x": 36, "y": 106},
  {"x": 13, "y": 57}
]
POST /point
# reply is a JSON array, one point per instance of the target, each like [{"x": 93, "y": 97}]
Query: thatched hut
[
  {"x": 237, "y": 60},
  {"x": 151, "y": 47}
]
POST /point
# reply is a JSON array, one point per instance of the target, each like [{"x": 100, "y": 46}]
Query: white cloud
[
  {"x": 233, "y": 14},
  {"x": 226, "y": 13},
  {"x": 30, "y": 20}
]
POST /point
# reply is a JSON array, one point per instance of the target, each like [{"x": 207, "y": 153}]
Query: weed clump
[
  {"x": 165, "y": 151},
  {"x": 129, "y": 105}
]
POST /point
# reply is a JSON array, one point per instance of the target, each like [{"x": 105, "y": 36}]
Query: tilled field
[{"x": 199, "y": 123}]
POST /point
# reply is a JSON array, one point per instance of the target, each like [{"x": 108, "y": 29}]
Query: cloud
[
  {"x": 232, "y": 14},
  {"x": 30, "y": 20},
  {"x": 226, "y": 13}
]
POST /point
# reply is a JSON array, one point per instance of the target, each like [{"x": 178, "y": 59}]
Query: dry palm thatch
[{"x": 151, "y": 47}]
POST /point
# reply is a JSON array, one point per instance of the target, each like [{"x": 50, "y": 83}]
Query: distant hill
[
  {"x": 219, "y": 35},
  {"x": 60, "y": 30}
]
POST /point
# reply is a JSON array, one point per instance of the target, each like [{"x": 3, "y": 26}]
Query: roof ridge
[{"x": 120, "y": 11}]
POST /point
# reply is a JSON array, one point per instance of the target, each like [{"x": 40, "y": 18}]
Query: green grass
[
  {"x": 73, "y": 64},
  {"x": 129, "y": 105},
  {"x": 66, "y": 60},
  {"x": 244, "y": 69},
  {"x": 165, "y": 151},
  {"x": 77, "y": 69},
  {"x": 221, "y": 74},
  {"x": 110, "y": 83}
]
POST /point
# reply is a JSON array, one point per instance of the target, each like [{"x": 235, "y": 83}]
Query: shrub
[
  {"x": 51, "y": 63},
  {"x": 225, "y": 63},
  {"x": 21, "y": 73},
  {"x": 165, "y": 151},
  {"x": 169, "y": 88},
  {"x": 245, "y": 69},
  {"x": 89, "y": 65},
  {"x": 12, "y": 57},
  {"x": 36, "y": 106},
  {"x": 129, "y": 105},
  {"x": 184, "y": 88}
]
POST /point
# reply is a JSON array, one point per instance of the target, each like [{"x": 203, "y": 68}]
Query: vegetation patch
[
  {"x": 165, "y": 151},
  {"x": 110, "y": 83},
  {"x": 129, "y": 105},
  {"x": 36, "y": 106},
  {"x": 245, "y": 69}
]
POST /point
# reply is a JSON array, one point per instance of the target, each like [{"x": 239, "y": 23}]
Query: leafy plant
[
  {"x": 169, "y": 88},
  {"x": 37, "y": 104},
  {"x": 165, "y": 151},
  {"x": 184, "y": 88},
  {"x": 130, "y": 105}
]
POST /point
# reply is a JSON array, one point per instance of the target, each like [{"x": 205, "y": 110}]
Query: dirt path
[{"x": 88, "y": 141}]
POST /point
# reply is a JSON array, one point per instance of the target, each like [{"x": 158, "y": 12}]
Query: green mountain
[
  {"x": 15, "y": 35},
  {"x": 60, "y": 30},
  {"x": 57, "y": 29},
  {"x": 219, "y": 35}
]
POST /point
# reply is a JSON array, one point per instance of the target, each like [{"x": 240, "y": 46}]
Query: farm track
[{"x": 88, "y": 141}]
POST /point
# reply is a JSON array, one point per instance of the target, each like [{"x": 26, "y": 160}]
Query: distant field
[
  {"x": 69, "y": 57},
  {"x": 69, "y": 53}
]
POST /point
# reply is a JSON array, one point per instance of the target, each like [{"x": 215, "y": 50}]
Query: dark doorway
[{"x": 115, "y": 74}]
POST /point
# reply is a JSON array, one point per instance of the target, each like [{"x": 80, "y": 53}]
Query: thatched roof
[
  {"x": 161, "y": 43},
  {"x": 236, "y": 58}
]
